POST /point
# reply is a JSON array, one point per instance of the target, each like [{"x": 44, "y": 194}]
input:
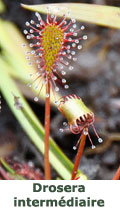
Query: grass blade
[{"x": 97, "y": 14}]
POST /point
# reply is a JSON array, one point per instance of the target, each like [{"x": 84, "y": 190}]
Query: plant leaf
[
  {"x": 97, "y": 14},
  {"x": 11, "y": 40},
  {"x": 2, "y": 6}
]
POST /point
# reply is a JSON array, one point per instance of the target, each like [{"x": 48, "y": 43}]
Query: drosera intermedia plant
[
  {"x": 53, "y": 41},
  {"x": 79, "y": 117}
]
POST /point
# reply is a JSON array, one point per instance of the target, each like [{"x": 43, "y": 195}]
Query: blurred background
[{"x": 96, "y": 79}]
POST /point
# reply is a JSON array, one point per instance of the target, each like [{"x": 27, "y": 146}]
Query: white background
[{"x": 109, "y": 191}]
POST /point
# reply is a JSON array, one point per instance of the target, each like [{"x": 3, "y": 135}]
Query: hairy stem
[
  {"x": 47, "y": 132},
  {"x": 117, "y": 174},
  {"x": 79, "y": 155}
]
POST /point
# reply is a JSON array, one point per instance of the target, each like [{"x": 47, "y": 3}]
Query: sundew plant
[
  {"x": 53, "y": 42},
  {"x": 40, "y": 58}
]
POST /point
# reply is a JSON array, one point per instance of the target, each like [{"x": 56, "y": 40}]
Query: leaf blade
[{"x": 96, "y": 14}]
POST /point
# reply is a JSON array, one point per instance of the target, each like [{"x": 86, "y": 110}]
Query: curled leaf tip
[{"x": 79, "y": 116}]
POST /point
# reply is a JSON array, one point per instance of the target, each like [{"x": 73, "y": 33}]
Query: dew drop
[
  {"x": 68, "y": 51},
  {"x": 63, "y": 53},
  {"x": 38, "y": 43},
  {"x": 73, "y": 45},
  {"x": 27, "y": 52},
  {"x": 56, "y": 89},
  {"x": 27, "y": 23},
  {"x": 73, "y": 20},
  {"x": 31, "y": 44},
  {"x": 63, "y": 80},
  {"x": 68, "y": 47},
  {"x": 74, "y": 147},
  {"x": 75, "y": 34},
  {"x": 100, "y": 140},
  {"x": 47, "y": 95},
  {"x": 36, "y": 98},
  {"x": 77, "y": 41},
  {"x": 65, "y": 123},
  {"x": 37, "y": 14},
  {"x": 68, "y": 13},
  {"x": 67, "y": 63},
  {"x": 25, "y": 32},
  {"x": 36, "y": 86},
  {"x": 93, "y": 146},
  {"x": 38, "y": 73},
  {"x": 63, "y": 73},
  {"x": 85, "y": 37},
  {"x": 82, "y": 27},
  {"x": 31, "y": 31},
  {"x": 30, "y": 63},
  {"x": 56, "y": 102},
  {"x": 74, "y": 25},
  {"x": 37, "y": 61},
  {"x": 52, "y": 16},
  {"x": 55, "y": 78},
  {"x": 74, "y": 59},
  {"x": 33, "y": 52},
  {"x": 61, "y": 130},
  {"x": 31, "y": 75},
  {"x": 28, "y": 36},
  {"x": 70, "y": 39},
  {"x": 31, "y": 164},
  {"x": 29, "y": 85},
  {"x": 71, "y": 29},
  {"x": 69, "y": 56},
  {"x": 40, "y": 54},
  {"x": 66, "y": 86},
  {"x": 32, "y": 22},
  {"x": 73, "y": 52},
  {"x": 70, "y": 68},
  {"x": 64, "y": 36},
  {"x": 23, "y": 45},
  {"x": 79, "y": 47},
  {"x": 85, "y": 132}
]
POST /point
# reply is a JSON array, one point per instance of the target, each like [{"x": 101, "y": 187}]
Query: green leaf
[
  {"x": 32, "y": 126},
  {"x": 97, "y": 14},
  {"x": 2, "y": 6}
]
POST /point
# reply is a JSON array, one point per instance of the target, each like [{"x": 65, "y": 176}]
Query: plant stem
[
  {"x": 117, "y": 174},
  {"x": 79, "y": 155},
  {"x": 47, "y": 132}
]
